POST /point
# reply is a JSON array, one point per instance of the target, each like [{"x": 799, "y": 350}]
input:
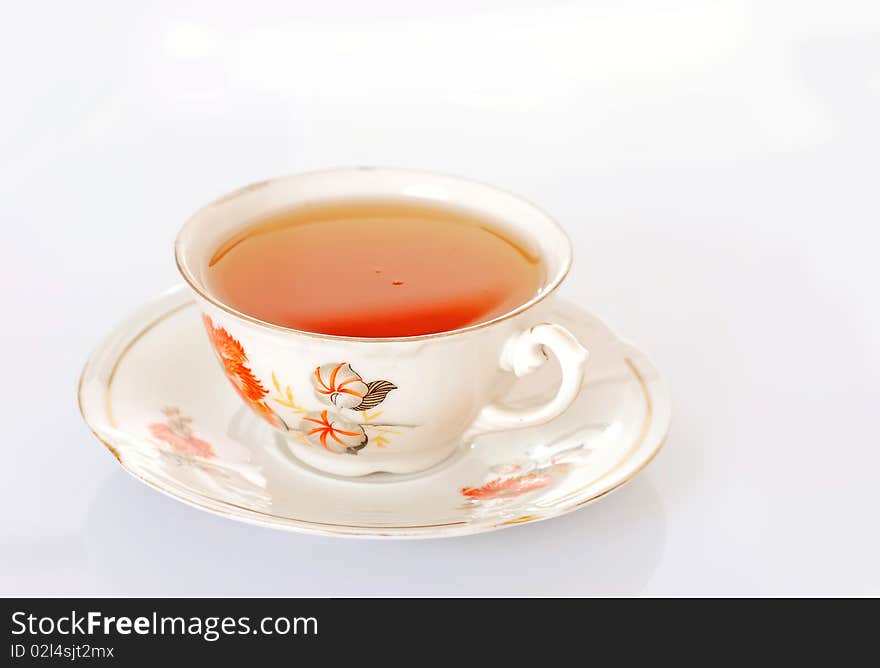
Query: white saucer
[{"x": 154, "y": 395}]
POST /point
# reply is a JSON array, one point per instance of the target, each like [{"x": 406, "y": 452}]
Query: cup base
[{"x": 406, "y": 466}]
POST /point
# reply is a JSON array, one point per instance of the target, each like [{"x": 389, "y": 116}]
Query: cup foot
[{"x": 368, "y": 469}]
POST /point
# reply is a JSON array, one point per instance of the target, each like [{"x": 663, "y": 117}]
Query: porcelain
[
  {"x": 353, "y": 406},
  {"x": 153, "y": 394}
]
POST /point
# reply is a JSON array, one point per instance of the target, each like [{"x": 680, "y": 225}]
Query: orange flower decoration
[
  {"x": 333, "y": 433},
  {"x": 188, "y": 444},
  {"x": 340, "y": 385},
  {"x": 234, "y": 361},
  {"x": 177, "y": 432},
  {"x": 507, "y": 487}
]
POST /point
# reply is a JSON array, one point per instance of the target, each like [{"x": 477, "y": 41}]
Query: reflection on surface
[
  {"x": 178, "y": 460},
  {"x": 509, "y": 489},
  {"x": 141, "y": 542}
]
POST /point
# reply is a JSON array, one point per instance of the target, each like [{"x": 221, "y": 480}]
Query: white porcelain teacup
[{"x": 353, "y": 406}]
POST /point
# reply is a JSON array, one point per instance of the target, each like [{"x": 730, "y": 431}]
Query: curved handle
[{"x": 524, "y": 353}]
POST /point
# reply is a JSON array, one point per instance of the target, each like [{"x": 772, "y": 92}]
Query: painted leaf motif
[
  {"x": 377, "y": 390},
  {"x": 507, "y": 487},
  {"x": 236, "y": 367}
]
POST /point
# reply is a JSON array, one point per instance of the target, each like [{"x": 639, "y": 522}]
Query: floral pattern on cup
[
  {"x": 177, "y": 432},
  {"x": 333, "y": 432},
  {"x": 235, "y": 365},
  {"x": 341, "y": 386},
  {"x": 335, "y": 384}
]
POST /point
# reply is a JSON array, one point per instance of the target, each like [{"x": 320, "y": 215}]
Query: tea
[{"x": 373, "y": 269}]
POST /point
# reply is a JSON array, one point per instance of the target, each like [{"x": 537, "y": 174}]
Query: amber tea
[{"x": 373, "y": 269}]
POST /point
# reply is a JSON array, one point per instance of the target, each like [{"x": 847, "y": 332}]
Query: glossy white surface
[
  {"x": 445, "y": 385},
  {"x": 153, "y": 394},
  {"x": 715, "y": 164}
]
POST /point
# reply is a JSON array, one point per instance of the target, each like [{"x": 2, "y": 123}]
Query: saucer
[{"x": 154, "y": 394}]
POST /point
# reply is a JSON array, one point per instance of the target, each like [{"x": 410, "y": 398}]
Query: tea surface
[{"x": 373, "y": 269}]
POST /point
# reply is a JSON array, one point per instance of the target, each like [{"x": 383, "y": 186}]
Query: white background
[{"x": 716, "y": 164}]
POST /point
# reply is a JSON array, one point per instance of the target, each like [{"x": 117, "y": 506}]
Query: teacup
[{"x": 353, "y": 406}]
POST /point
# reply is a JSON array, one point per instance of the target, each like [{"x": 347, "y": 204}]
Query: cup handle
[{"x": 522, "y": 354}]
